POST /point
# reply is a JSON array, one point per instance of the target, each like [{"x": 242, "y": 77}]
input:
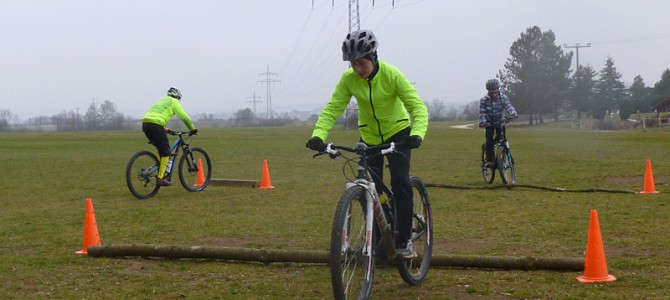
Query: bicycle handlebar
[
  {"x": 501, "y": 123},
  {"x": 179, "y": 133},
  {"x": 361, "y": 149}
]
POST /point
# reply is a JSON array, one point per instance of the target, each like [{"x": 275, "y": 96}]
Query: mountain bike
[
  {"x": 195, "y": 168},
  {"x": 503, "y": 161},
  {"x": 364, "y": 230}
]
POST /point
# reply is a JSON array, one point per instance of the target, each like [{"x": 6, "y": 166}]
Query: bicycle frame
[
  {"x": 500, "y": 139},
  {"x": 180, "y": 143},
  {"x": 502, "y": 158},
  {"x": 373, "y": 205}
]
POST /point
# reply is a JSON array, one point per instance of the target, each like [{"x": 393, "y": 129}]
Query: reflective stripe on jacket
[{"x": 385, "y": 104}]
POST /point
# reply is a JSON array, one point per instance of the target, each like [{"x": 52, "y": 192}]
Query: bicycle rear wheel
[
  {"x": 488, "y": 173},
  {"x": 413, "y": 271},
  {"x": 141, "y": 174},
  {"x": 351, "y": 271},
  {"x": 506, "y": 166},
  {"x": 195, "y": 170}
]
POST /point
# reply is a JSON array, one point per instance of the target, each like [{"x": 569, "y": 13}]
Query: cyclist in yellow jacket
[
  {"x": 154, "y": 126},
  {"x": 387, "y": 105}
]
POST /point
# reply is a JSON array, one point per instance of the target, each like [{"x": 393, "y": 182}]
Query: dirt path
[{"x": 466, "y": 126}]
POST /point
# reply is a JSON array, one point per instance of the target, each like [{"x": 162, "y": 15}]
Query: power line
[
  {"x": 651, "y": 37},
  {"x": 309, "y": 52},
  {"x": 295, "y": 45},
  {"x": 577, "y": 46}
]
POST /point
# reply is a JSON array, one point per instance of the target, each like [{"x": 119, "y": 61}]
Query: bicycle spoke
[
  {"x": 413, "y": 271},
  {"x": 141, "y": 174},
  {"x": 195, "y": 169},
  {"x": 351, "y": 271}
]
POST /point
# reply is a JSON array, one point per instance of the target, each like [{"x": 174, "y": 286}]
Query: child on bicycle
[
  {"x": 386, "y": 100},
  {"x": 154, "y": 126},
  {"x": 491, "y": 112}
]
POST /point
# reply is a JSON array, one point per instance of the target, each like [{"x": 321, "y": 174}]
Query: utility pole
[
  {"x": 577, "y": 46},
  {"x": 268, "y": 80},
  {"x": 254, "y": 101},
  {"x": 354, "y": 25}
]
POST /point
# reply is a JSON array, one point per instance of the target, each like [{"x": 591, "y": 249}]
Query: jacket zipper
[{"x": 374, "y": 114}]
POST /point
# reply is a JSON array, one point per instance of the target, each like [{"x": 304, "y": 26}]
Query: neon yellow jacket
[
  {"x": 166, "y": 108},
  {"x": 385, "y": 104}
]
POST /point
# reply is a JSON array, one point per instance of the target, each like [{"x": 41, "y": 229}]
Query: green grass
[{"x": 46, "y": 178}]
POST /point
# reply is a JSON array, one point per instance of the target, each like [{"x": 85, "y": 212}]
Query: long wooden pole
[{"x": 267, "y": 256}]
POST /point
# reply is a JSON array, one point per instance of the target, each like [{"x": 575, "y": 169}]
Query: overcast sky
[{"x": 65, "y": 54}]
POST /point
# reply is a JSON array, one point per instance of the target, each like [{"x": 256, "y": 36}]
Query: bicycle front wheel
[
  {"x": 351, "y": 270},
  {"x": 141, "y": 174},
  {"x": 195, "y": 170},
  {"x": 413, "y": 271},
  {"x": 506, "y": 166},
  {"x": 487, "y": 172}
]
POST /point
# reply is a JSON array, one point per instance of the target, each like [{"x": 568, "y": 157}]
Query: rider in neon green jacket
[
  {"x": 383, "y": 103},
  {"x": 165, "y": 108},
  {"x": 387, "y": 106},
  {"x": 154, "y": 127}
]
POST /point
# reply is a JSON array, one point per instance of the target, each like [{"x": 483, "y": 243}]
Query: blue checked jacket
[{"x": 491, "y": 109}]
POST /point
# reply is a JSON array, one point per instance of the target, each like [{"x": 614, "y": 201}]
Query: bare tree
[
  {"x": 6, "y": 118},
  {"x": 436, "y": 110}
]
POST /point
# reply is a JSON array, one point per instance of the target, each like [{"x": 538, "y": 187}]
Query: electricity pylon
[{"x": 268, "y": 81}]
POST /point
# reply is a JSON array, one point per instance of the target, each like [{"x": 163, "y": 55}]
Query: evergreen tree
[
  {"x": 610, "y": 91},
  {"x": 638, "y": 92},
  {"x": 661, "y": 89},
  {"x": 536, "y": 74},
  {"x": 582, "y": 90}
]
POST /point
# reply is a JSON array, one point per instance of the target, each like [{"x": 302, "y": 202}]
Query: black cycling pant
[
  {"x": 156, "y": 134},
  {"x": 490, "y": 142}
]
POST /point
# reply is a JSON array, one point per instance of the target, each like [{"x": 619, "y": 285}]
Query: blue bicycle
[
  {"x": 503, "y": 161},
  {"x": 195, "y": 168}
]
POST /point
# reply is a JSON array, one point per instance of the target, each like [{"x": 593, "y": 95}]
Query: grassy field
[{"x": 46, "y": 178}]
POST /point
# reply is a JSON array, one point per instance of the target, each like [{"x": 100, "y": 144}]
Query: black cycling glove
[
  {"x": 316, "y": 144},
  {"x": 413, "y": 141}
]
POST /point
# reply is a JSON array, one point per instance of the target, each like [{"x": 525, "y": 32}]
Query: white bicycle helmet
[
  {"x": 358, "y": 44},
  {"x": 174, "y": 93}
]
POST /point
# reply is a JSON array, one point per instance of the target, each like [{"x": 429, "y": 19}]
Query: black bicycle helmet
[
  {"x": 492, "y": 84},
  {"x": 359, "y": 44},
  {"x": 174, "y": 93}
]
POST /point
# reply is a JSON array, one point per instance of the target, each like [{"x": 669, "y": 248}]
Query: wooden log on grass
[
  {"x": 267, "y": 256},
  {"x": 228, "y": 253},
  {"x": 508, "y": 262}
]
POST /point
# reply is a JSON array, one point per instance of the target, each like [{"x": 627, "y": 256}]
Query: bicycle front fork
[{"x": 373, "y": 211}]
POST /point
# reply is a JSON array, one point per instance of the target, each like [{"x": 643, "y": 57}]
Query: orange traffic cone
[
  {"x": 649, "y": 187},
  {"x": 200, "y": 177},
  {"x": 265, "y": 182},
  {"x": 91, "y": 236},
  {"x": 595, "y": 266}
]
